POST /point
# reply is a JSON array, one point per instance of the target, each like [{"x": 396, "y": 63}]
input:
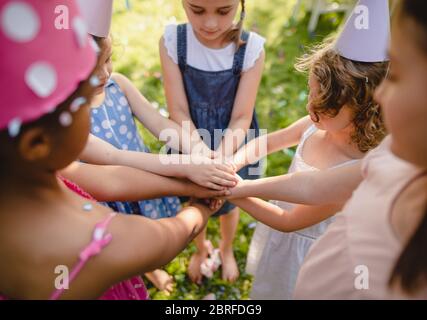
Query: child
[
  {"x": 114, "y": 106},
  {"x": 212, "y": 71},
  {"x": 44, "y": 220},
  {"x": 117, "y": 101},
  {"x": 344, "y": 124},
  {"x": 375, "y": 248}
]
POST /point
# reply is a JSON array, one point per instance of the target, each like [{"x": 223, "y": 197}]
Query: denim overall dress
[{"x": 211, "y": 98}]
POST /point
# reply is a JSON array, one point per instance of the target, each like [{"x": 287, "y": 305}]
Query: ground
[{"x": 281, "y": 100}]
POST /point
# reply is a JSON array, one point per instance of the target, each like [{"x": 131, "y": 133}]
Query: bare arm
[
  {"x": 115, "y": 183},
  {"x": 205, "y": 172},
  {"x": 161, "y": 127},
  {"x": 177, "y": 100},
  {"x": 98, "y": 151},
  {"x": 298, "y": 218},
  {"x": 133, "y": 251},
  {"x": 172, "y": 236},
  {"x": 243, "y": 109},
  {"x": 264, "y": 145},
  {"x": 333, "y": 186}
]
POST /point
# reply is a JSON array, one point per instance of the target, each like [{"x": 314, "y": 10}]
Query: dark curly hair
[{"x": 346, "y": 82}]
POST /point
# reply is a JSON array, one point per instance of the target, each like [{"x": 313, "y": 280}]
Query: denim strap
[
  {"x": 182, "y": 46},
  {"x": 239, "y": 56}
]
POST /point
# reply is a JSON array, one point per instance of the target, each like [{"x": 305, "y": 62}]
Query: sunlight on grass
[{"x": 281, "y": 100}]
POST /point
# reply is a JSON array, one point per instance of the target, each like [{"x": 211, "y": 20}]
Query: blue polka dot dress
[{"x": 113, "y": 122}]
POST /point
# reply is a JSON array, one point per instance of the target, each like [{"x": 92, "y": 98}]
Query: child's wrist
[
  {"x": 237, "y": 164},
  {"x": 182, "y": 171},
  {"x": 241, "y": 189},
  {"x": 191, "y": 188}
]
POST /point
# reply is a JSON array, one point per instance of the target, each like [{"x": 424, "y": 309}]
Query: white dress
[{"x": 275, "y": 257}]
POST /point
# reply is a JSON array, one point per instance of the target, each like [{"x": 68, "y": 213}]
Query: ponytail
[{"x": 235, "y": 34}]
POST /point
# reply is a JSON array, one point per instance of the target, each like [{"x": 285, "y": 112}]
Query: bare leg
[
  {"x": 228, "y": 224},
  {"x": 198, "y": 257},
  {"x": 161, "y": 280}
]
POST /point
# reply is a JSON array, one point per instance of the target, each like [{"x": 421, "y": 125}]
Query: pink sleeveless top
[
  {"x": 132, "y": 289},
  {"x": 355, "y": 257}
]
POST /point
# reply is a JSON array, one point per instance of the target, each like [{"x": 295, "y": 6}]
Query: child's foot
[
  {"x": 161, "y": 280},
  {"x": 194, "y": 271},
  {"x": 230, "y": 270}
]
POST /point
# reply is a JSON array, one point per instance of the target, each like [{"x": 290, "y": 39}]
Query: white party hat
[
  {"x": 97, "y": 14},
  {"x": 366, "y": 34}
]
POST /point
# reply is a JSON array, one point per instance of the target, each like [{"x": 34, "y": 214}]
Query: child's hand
[
  {"x": 205, "y": 193},
  {"x": 211, "y": 174},
  {"x": 232, "y": 193},
  {"x": 239, "y": 178},
  {"x": 215, "y": 154},
  {"x": 233, "y": 165},
  {"x": 212, "y": 204},
  {"x": 215, "y": 204},
  {"x": 227, "y": 160}
]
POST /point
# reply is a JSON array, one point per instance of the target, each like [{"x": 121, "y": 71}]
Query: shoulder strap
[
  {"x": 239, "y": 56},
  {"x": 99, "y": 241},
  {"x": 182, "y": 45},
  {"x": 346, "y": 163},
  {"x": 308, "y": 132}
]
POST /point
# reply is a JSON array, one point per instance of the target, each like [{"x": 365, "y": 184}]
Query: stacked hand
[
  {"x": 213, "y": 204},
  {"x": 214, "y": 174},
  {"x": 232, "y": 193}
]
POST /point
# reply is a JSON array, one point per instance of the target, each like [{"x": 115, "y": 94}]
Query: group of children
[{"x": 72, "y": 157}]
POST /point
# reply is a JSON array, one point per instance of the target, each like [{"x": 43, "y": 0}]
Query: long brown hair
[
  {"x": 235, "y": 34},
  {"x": 410, "y": 271}
]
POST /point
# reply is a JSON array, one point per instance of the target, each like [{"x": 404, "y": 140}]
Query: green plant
[{"x": 281, "y": 100}]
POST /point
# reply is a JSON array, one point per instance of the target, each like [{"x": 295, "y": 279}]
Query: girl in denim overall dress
[{"x": 212, "y": 70}]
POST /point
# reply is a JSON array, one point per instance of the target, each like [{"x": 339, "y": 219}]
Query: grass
[{"x": 281, "y": 100}]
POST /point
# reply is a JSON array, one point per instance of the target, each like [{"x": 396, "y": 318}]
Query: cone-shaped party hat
[
  {"x": 366, "y": 34},
  {"x": 98, "y": 16}
]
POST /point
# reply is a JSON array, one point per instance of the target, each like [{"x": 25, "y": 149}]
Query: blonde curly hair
[{"x": 346, "y": 82}]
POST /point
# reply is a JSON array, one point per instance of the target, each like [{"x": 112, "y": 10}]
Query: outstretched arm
[
  {"x": 203, "y": 171},
  {"x": 116, "y": 183},
  {"x": 171, "y": 236},
  {"x": 333, "y": 186},
  {"x": 298, "y": 218},
  {"x": 140, "y": 245},
  {"x": 264, "y": 145},
  {"x": 168, "y": 131},
  {"x": 243, "y": 109},
  {"x": 177, "y": 100}
]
